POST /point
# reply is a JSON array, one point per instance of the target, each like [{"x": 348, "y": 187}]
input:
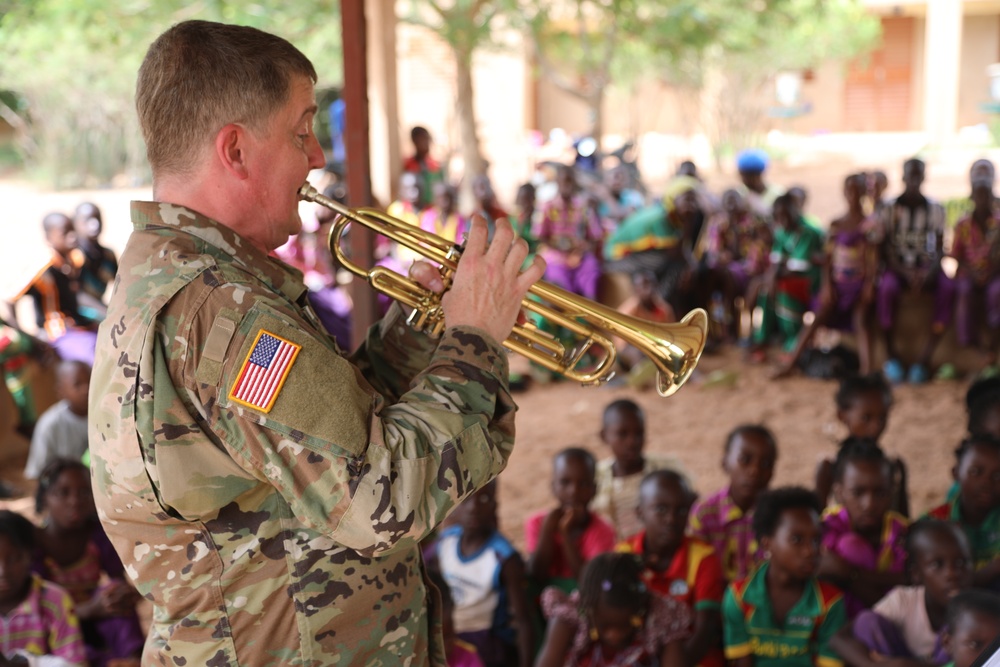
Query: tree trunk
[
  {"x": 596, "y": 102},
  {"x": 472, "y": 157}
]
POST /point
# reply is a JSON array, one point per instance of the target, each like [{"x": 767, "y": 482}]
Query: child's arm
[
  {"x": 824, "y": 480},
  {"x": 540, "y": 559},
  {"x": 558, "y": 640},
  {"x": 672, "y": 655},
  {"x": 866, "y": 585},
  {"x": 513, "y": 580},
  {"x": 857, "y": 654}
]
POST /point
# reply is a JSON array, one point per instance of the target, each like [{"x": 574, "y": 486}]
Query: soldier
[{"x": 265, "y": 491}]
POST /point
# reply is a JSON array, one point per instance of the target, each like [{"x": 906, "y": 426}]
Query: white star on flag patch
[{"x": 264, "y": 371}]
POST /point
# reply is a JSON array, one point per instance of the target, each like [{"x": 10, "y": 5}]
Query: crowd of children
[{"x": 632, "y": 567}]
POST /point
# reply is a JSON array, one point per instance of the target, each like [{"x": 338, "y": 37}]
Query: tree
[
  {"x": 73, "y": 64},
  {"x": 466, "y": 26}
]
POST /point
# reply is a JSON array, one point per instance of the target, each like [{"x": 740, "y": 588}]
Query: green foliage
[{"x": 74, "y": 64}]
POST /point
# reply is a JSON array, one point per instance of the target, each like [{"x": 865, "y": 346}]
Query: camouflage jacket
[{"x": 279, "y": 526}]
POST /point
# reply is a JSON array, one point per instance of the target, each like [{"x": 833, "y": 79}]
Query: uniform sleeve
[
  {"x": 835, "y": 619},
  {"x": 736, "y": 639},
  {"x": 374, "y": 475},
  {"x": 393, "y": 353},
  {"x": 708, "y": 584}
]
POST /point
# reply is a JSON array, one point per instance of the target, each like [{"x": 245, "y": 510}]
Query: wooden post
[{"x": 359, "y": 188}]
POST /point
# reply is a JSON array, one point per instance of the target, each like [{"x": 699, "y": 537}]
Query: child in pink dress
[{"x": 569, "y": 233}]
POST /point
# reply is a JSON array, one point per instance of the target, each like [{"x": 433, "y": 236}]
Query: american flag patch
[{"x": 264, "y": 371}]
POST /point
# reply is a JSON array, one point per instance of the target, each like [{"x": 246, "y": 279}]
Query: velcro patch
[{"x": 264, "y": 371}]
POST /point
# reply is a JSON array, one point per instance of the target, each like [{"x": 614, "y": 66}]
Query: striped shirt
[{"x": 43, "y": 624}]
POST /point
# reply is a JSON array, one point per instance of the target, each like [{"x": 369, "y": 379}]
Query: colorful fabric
[
  {"x": 743, "y": 240},
  {"x": 984, "y": 539},
  {"x": 16, "y": 349},
  {"x": 43, "y": 625},
  {"x": 463, "y": 654},
  {"x": 618, "y": 497},
  {"x": 905, "y": 609},
  {"x": 694, "y": 577},
  {"x": 802, "y": 640},
  {"x": 264, "y": 372},
  {"x": 54, "y": 293},
  {"x": 975, "y": 247},
  {"x": 303, "y": 523},
  {"x": 719, "y": 522},
  {"x": 429, "y": 173},
  {"x": 839, "y": 538},
  {"x": 890, "y": 288},
  {"x": 667, "y": 621},
  {"x": 974, "y": 304},
  {"x": 99, "y": 268},
  {"x": 453, "y": 227},
  {"x": 565, "y": 223},
  {"x": 646, "y": 229},
  {"x": 597, "y": 538}
]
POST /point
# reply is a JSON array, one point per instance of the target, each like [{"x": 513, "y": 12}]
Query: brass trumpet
[{"x": 673, "y": 348}]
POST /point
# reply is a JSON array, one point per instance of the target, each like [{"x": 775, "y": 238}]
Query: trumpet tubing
[{"x": 673, "y": 348}]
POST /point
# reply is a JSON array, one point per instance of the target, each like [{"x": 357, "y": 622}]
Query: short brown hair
[{"x": 199, "y": 76}]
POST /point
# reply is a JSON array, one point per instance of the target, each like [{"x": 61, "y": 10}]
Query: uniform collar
[{"x": 220, "y": 241}]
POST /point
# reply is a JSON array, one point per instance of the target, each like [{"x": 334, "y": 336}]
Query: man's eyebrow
[{"x": 311, "y": 110}]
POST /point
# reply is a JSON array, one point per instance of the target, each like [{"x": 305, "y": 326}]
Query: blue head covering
[{"x": 752, "y": 160}]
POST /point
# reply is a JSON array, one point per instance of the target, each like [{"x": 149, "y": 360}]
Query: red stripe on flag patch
[{"x": 264, "y": 371}]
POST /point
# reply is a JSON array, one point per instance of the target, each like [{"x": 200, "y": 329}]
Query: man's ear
[{"x": 230, "y": 148}]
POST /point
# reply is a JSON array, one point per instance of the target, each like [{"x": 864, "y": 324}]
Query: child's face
[
  {"x": 794, "y": 546},
  {"x": 525, "y": 200},
  {"x": 625, "y": 433},
  {"x": 784, "y": 217},
  {"x": 62, "y": 238},
  {"x": 573, "y": 483},
  {"x": 978, "y": 476},
  {"x": 442, "y": 197},
  {"x": 942, "y": 564},
  {"x": 913, "y": 176},
  {"x": 478, "y": 512},
  {"x": 70, "y": 500},
  {"x": 867, "y": 415},
  {"x": 663, "y": 510},
  {"x": 973, "y": 632},
  {"x": 615, "y": 626},
  {"x": 982, "y": 196},
  {"x": 567, "y": 183},
  {"x": 644, "y": 287},
  {"x": 865, "y": 493},
  {"x": 750, "y": 464},
  {"x": 15, "y": 566},
  {"x": 74, "y": 384}
]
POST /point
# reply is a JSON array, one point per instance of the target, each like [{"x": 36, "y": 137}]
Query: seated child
[
  {"x": 848, "y": 279},
  {"x": 568, "y": 235},
  {"x": 61, "y": 431},
  {"x": 458, "y": 653},
  {"x": 562, "y": 540},
  {"x": 612, "y": 620},
  {"x": 618, "y": 477},
  {"x": 486, "y": 577},
  {"x": 442, "y": 218},
  {"x": 977, "y": 279},
  {"x": 863, "y": 540},
  {"x": 973, "y": 624},
  {"x": 863, "y": 404},
  {"x": 725, "y": 519},
  {"x": 782, "y": 615},
  {"x": 72, "y": 550},
  {"x": 910, "y": 620},
  {"x": 99, "y": 263},
  {"x": 678, "y": 566},
  {"x": 976, "y": 507},
  {"x": 38, "y": 619}
]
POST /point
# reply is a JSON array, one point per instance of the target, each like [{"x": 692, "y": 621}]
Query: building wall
[{"x": 980, "y": 47}]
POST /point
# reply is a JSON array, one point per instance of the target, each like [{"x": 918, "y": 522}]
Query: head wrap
[
  {"x": 677, "y": 186},
  {"x": 752, "y": 160}
]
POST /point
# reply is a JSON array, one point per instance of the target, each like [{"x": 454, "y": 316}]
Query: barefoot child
[
  {"x": 863, "y": 541},
  {"x": 38, "y": 619},
  {"x": 562, "y": 540},
  {"x": 612, "y": 620},
  {"x": 909, "y": 622},
  {"x": 73, "y": 552},
  {"x": 486, "y": 577},
  {"x": 725, "y": 519},
  {"x": 679, "y": 566},
  {"x": 624, "y": 432},
  {"x": 782, "y": 615}
]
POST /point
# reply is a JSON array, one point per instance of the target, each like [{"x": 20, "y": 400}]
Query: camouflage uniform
[{"x": 288, "y": 536}]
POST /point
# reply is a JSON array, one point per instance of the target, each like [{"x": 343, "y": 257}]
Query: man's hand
[{"x": 488, "y": 285}]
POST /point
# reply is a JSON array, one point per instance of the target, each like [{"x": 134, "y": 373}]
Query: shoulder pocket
[{"x": 289, "y": 378}]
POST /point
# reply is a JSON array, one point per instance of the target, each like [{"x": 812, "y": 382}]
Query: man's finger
[
  {"x": 475, "y": 240},
  {"x": 427, "y": 275},
  {"x": 531, "y": 275},
  {"x": 518, "y": 252},
  {"x": 503, "y": 235}
]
